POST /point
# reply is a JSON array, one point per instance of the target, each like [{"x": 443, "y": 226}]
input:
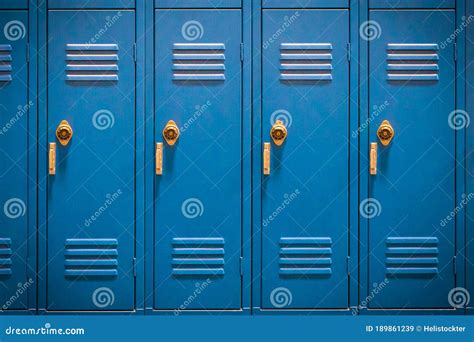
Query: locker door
[
  {"x": 198, "y": 196},
  {"x": 91, "y": 80},
  {"x": 14, "y": 107},
  {"x": 414, "y": 188},
  {"x": 470, "y": 157},
  {"x": 305, "y": 195}
]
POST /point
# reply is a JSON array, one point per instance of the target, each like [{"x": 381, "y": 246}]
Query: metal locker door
[
  {"x": 14, "y": 109},
  {"x": 412, "y": 76},
  {"x": 198, "y": 184},
  {"x": 469, "y": 262},
  {"x": 91, "y": 120},
  {"x": 305, "y": 191}
]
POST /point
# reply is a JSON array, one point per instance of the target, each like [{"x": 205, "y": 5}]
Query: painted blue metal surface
[
  {"x": 198, "y": 3},
  {"x": 198, "y": 199},
  {"x": 83, "y": 4},
  {"x": 469, "y": 83},
  {"x": 14, "y": 140},
  {"x": 91, "y": 211},
  {"x": 304, "y": 4},
  {"x": 14, "y": 4},
  {"x": 305, "y": 197},
  {"x": 412, "y": 79},
  {"x": 393, "y": 4}
]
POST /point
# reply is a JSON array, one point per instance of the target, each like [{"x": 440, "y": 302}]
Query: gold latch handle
[
  {"x": 159, "y": 158},
  {"x": 52, "y": 158},
  {"x": 266, "y": 158},
  {"x": 373, "y": 158}
]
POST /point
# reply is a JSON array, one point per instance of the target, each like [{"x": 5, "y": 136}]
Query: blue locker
[
  {"x": 198, "y": 180},
  {"x": 15, "y": 107},
  {"x": 305, "y": 88},
  {"x": 91, "y": 158},
  {"x": 412, "y": 182},
  {"x": 470, "y": 156}
]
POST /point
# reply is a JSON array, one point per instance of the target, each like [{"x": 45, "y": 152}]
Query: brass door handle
[
  {"x": 373, "y": 158},
  {"x": 64, "y": 132},
  {"x": 266, "y": 158},
  {"x": 52, "y": 158},
  {"x": 159, "y": 158},
  {"x": 385, "y": 132},
  {"x": 171, "y": 133},
  {"x": 278, "y": 132}
]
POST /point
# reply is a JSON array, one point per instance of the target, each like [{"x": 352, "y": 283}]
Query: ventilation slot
[
  {"x": 91, "y": 257},
  {"x": 198, "y": 256},
  {"x": 5, "y": 63},
  {"x": 92, "y": 62},
  {"x": 412, "y": 256},
  {"x": 5, "y": 257},
  {"x": 305, "y": 62},
  {"x": 198, "y": 62},
  {"x": 308, "y": 256},
  {"x": 412, "y": 62}
]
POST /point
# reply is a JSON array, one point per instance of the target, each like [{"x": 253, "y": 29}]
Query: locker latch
[
  {"x": 385, "y": 132},
  {"x": 64, "y": 132},
  {"x": 278, "y": 133},
  {"x": 171, "y": 132}
]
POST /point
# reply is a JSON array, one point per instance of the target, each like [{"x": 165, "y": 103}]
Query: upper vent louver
[
  {"x": 305, "y": 255},
  {"x": 5, "y": 63},
  {"x": 412, "y": 62},
  {"x": 198, "y": 256},
  {"x": 305, "y": 62},
  {"x": 5, "y": 256},
  {"x": 412, "y": 256},
  {"x": 198, "y": 62},
  {"x": 92, "y": 62},
  {"x": 91, "y": 257}
]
